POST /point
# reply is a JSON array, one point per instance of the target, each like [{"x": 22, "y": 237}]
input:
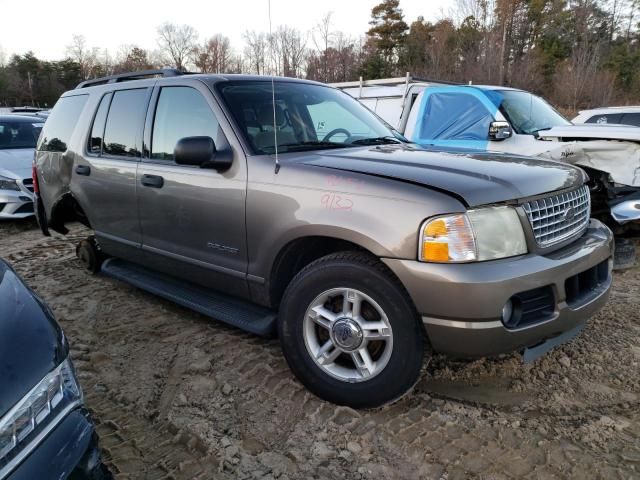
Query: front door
[
  {"x": 455, "y": 117},
  {"x": 192, "y": 218}
]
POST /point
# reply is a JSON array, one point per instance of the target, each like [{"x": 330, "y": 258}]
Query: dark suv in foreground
[
  {"x": 282, "y": 204},
  {"x": 45, "y": 432}
]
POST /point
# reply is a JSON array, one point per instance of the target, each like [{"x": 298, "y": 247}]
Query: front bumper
[
  {"x": 461, "y": 304},
  {"x": 15, "y": 204},
  {"x": 71, "y": 449}
]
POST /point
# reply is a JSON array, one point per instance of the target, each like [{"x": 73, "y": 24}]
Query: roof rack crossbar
[
  {"x": 396, "y": 81},
  {"x": 163, "y": 72}
]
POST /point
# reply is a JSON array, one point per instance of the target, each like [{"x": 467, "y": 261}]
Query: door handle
[
  {"x": 153, "y": 181},
  {"x": 83, "y": 170}
]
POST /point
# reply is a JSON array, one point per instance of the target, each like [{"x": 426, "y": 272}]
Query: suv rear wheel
[{"x": 349, "y": 331}]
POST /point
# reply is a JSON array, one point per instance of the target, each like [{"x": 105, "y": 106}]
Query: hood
[
  {"x": 16, "y": 163},
  {"x": 479, "y": 178},
  {"x": 31, "y": 342},
  {"x": 595, "y": 131}
]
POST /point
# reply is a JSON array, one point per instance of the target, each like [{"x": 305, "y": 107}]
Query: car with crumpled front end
[
  {"x": 18, "y": 137},
  {"x": 45, "y": 430}
]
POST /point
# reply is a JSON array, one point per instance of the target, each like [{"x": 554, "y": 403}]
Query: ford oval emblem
[{"x": 569, "y": 214}]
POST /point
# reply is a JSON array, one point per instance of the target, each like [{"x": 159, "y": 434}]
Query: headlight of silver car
[
  {"x": 49, "y": 401},
  {"x": 482, "y": 234},
  {"x": 8, "y": 184}
]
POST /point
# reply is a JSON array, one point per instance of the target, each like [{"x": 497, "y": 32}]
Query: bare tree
[
  {"x": 322, "y": 37},
  {"x": 86, "y": 57},
  {"x": 575, "y": 79},
  {"x": 132, "y": 58},
  {"x": 177, "y": 42},
  {"x": 256, "y": 50},
  {"x": 214, "y": 55},
  {"x": 288, "y": 50}
]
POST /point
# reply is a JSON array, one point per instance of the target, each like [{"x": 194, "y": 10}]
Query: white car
[
  {"x": 500, "y": 119},
  {"x": 18, "y": 137},
  {"x": 628, "y": 115}
]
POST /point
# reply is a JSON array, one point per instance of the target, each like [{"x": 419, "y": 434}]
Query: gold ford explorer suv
[{"x": 282, "y": 205}]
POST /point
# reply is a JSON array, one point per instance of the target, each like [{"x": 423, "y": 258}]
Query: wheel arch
[
  {"x": 299, "y": 252},
  {"x": 66, "y": 209}
]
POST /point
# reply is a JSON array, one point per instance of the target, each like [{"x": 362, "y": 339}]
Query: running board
[{"x": 231, "y": 310}]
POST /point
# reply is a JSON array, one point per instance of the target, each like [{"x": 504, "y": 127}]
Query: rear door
[
  {"x": 105, "y": 180},
  {"x": 192, "y": 218}
]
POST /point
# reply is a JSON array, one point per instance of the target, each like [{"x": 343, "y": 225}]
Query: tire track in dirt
[{"x": 176, "y": 395}]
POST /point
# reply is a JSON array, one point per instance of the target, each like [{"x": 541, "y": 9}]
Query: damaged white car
[{"x": 501, "y": 119}]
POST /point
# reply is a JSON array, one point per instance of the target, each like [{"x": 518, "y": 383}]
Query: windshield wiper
[
  {"x": 310, "y": 145},
  {"x": 377, "y": 141}
]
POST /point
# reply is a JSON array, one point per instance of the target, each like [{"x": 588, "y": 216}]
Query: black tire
[
  {"x": 368, "y": 275},
  {"x": 89, "y": 254}
]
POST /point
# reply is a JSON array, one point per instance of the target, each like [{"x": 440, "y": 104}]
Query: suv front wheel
[{"x": 349, "y": 331}]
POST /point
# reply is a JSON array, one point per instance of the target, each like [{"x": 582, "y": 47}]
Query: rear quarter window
[{"x": 60, "y": 125}]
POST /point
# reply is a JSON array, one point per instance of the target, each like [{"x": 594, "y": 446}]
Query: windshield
[
  {"x": 19, "y": 134},
  {"x": 307, "y": 117},
  {"x": 529, "y": 114}
]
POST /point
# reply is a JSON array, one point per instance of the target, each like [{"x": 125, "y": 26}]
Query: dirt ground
[{"x": 177, "y": 395}]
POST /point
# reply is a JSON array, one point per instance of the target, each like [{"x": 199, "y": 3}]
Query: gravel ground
[{"x": 177, "y": 395}]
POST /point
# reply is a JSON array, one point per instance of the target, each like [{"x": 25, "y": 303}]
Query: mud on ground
[{"x": 177, "y": 395}]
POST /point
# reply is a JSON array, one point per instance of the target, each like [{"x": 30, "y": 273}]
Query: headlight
[
  {"x": 56, "y": 392},
  {"x": 482, "y": 234},
  {"x": 8, "y": 184}
]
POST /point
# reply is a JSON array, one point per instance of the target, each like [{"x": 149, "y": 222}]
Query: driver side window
[
  {"x": 181, "y": 112},
  {"x": 454, "y": 116},
  {"x": 329, "y": 116}
]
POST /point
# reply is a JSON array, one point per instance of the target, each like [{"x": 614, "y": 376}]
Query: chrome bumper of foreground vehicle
[{"x": 487, "y": 308}]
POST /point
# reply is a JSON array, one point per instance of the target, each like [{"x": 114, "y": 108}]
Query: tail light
[{"x": 34, "y": 176}]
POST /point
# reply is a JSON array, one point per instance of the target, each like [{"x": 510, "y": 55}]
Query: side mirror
[
  {"x": 499, "y": 130},
  {"x": 200, "y": 152}
]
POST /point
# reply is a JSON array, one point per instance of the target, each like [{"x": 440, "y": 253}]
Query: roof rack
[
  {"x": 389, "y": 82},
  {"x": 122, "y": 77}
]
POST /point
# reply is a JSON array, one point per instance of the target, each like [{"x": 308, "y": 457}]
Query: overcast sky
[{"x": 46, "y": 26}]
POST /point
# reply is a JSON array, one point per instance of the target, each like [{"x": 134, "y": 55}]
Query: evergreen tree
[{"x": 388, "y": 31}]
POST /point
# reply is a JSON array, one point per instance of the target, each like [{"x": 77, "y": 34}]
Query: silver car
[{"x": 18, "y": 136}]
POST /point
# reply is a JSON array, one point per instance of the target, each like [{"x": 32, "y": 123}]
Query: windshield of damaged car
[
  {"x": 528, "y": 114},
  {"x": 19, "y": 134},
  {"x": 305, "y": 117}
]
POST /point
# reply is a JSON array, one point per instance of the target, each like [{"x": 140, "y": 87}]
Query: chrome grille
[{"x": 556, "y": 218}]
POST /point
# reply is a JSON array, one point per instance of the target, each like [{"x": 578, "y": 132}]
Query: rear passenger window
[
  {"x": 122, "y": 134},
  {"x": 181, "y": 112},
  {"x": 60, "y": 125},
  {"x": 97, "y": 131}
]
